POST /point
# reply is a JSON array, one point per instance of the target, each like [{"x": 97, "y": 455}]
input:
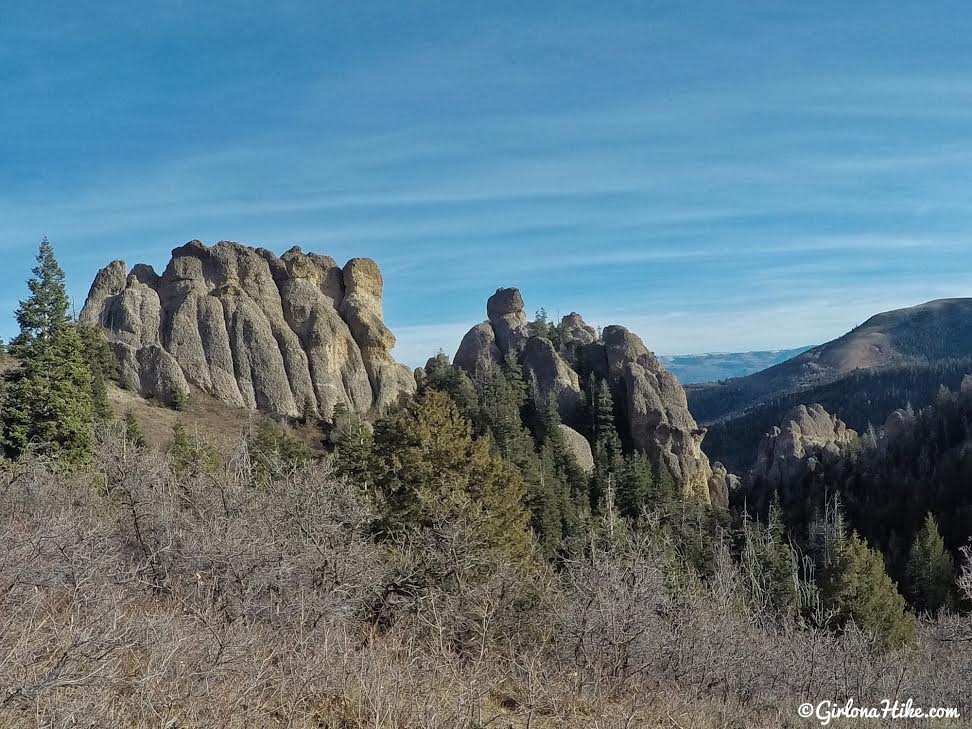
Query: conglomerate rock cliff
[
  {"x": 289, "y": 335},
  {"x": 654, "y": 412}
]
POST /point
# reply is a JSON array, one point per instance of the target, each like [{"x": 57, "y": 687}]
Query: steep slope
[
  {"x": 654, "y": 415},
  {"x": 284, "y": 335},
  {"x": 937, "y": 330}
]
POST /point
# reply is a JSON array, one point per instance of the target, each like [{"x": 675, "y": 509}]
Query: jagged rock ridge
[
  {"x": 286, "y": 334},
  {"x": 656, "y": 418}
]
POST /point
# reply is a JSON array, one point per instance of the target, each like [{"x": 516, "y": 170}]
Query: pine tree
[
  {"x": 432, "y": 468},
  {"x": 541, "y": 324},
  {"x": 547, "y": 502},
  {"x": 45, "y": 311},
  {"x": 104, "y": 367},
  {"x": 274, "y": 452},
  {"x": 182, "y": 451},
  {"x": 190, "y": 453},
  {"x": 308, "y": 414},
  {"x": 179, "y": 399},
  {"x": 608, "y": 456},
  {"x": 930, "y": 570},
  {"x": 664, "y": 490},
  {"x": 857, "y": 587},
  {"x": 635, "y": 487},
  {"x": 134, "y": 435},
  {"x": 354, "y": 446},
  {"x": 442, "y": 376},
  {"x": 770, "y": 565},
  {"x": 47, "y": 402}
]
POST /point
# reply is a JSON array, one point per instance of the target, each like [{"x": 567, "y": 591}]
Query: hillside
[
  {"x": 205, "y": 417},
  {"x": 862, "y": 399},
  {"x": 715, "y": 366},
  {"x": 934, "y": 331}
]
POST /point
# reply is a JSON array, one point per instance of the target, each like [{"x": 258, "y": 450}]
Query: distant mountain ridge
[
  {"x": 931, "y": 332},
  {"x": 691, "y": 369}
]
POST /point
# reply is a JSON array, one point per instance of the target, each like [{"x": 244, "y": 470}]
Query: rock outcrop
[
  {"x": 579, "y": 447},
  {"x": 808, "y": 436},
  {"x": 550, "y": 375},
  {"x": 655, "y": 415},
  {"x": 722, "y": 485},
  {"x": 507, "y": 317},
  {"x": 286, "y": 334},
  {"x": 899, "y": 423},
  {"x": 478, "y": 348}
]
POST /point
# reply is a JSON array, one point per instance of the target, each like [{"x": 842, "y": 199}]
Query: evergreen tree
[
  {"x": 433, "y": 468},
  {"x": 568, "y": 469},
  {"x": 608, "y": 456},
  {"x": 134, "y": 435},
  {"x": 442, "y": 376},
  {"x": 770, "y": 565},
  {"x": 664, "y": 490},
  {"x": 541, "y": 325},
  {"x": 547, "y": 502},
  {"x": 857, "y": 587},
  {"x": 47, "y": 401},
  {"x": 514, "y": 378},
  {"x": 182, "y": 451},
  {"x": 930, "y": 569},
  {"x": 308, "y": 414},
  {"x": 190, "y": 454},
  {"x": 354, "y": 441},
  {"x": 104, "y": 367},
  {"x": 635, "y": 487},
  {"x": 179, "y": 399},
  {"x": 45, "y": 311},
  {"x": 500, "y": 414},
  {"x": 274, "y": 452}
]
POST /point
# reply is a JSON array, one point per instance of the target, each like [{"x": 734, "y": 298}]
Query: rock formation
[
  {"x": 808, "y": 437},
  {"x": 580, "y": 448},
  {"x": 285, "y": 335},
  {"x": 507, "y": 317},
  {"x": 655, "y": 415},
  {"x": 722, "y": 485},
  {"x": 898, "y": 423}
]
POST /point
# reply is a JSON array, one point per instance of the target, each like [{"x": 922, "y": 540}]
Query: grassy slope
[{"x": 216, "y": 422}]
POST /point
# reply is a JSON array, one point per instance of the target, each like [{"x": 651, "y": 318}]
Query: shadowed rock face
[
  {"x": 655, "y": 413},
  {"x": 256, "y": 331},
  {"x": 807, "y": 437},
  {"x": 722, "y": 485}
]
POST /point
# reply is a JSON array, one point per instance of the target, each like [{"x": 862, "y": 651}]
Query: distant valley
[{"x": 692, "y": 369}]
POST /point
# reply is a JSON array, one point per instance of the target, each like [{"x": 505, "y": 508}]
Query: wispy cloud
[{"x": 624, "y": 162}]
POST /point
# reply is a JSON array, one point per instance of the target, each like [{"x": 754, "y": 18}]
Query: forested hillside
[
  {"x": 895, "y": 481},
  {"x": 862, "y": 399}
]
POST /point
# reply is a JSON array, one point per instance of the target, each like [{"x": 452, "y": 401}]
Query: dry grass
[
  {"x": 133, "y": 598},
  {"x": 213, "y": 420}
]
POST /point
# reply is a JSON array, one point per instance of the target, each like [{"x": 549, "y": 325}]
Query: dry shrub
[{"x": 134, "y": 598}]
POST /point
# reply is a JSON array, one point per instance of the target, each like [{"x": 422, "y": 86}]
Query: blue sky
[{"x": 717, "y": 176}]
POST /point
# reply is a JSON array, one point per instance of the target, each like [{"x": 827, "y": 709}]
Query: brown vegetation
[{"x": 131, "y": 597}]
